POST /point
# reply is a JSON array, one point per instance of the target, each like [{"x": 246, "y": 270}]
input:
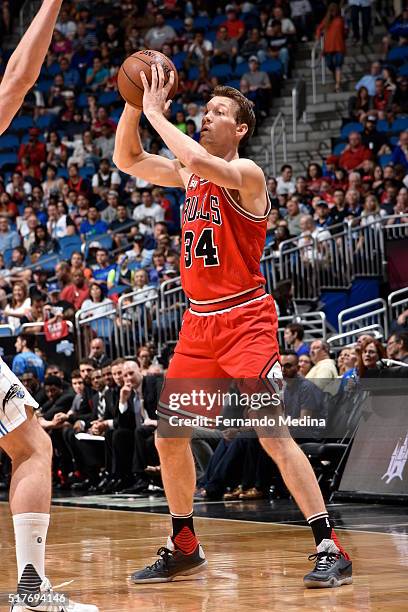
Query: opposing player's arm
[
  {"x": 25, "y": 63},
  {"x": 130, "y": 157}
]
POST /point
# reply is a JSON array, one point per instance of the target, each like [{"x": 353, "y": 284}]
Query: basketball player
[
  {"x": 230, "y": 327},
  {"x": 21, "y": 437}
]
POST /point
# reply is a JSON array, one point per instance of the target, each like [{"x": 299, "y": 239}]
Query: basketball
[{"x": 129, "y": 82}]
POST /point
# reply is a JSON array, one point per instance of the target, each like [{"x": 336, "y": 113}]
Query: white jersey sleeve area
[{"x": 13, "y": 399}]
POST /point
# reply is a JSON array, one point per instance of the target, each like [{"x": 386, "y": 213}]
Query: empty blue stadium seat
[
  {"x": 87, "y": 172},
  {"x": 211, "y": 35},
  {"x": 178, "y": 59},
  {"x": 8, "y": 159},
  {"x": 8, "y": 142},
  {"x": 272, "y": 66},
  {"x": 62, "y": 173},
  {"x": 222, "y": 71},
  {"x": 400, "y": 125},
  {"x": 202, "y": 22},
  {"x": 6, "y": 330},
  {"x": 218, "y": 20},
  {"x": 241, "y": 69},
  {"x": 21, "y": 123},
  {"x": 193, "y": 73},
  {"x": 44, "y": 86},
  {"x": 177, "y": 24},
  {"x": 175, "y": 108},
  {"x": 382, "y": 125},
  {"x": 403, "y": 71},
  {"x": 384, "y": 160},
  {"x": 45, "y": 121},
  {"x": 108, "y": 97},
  {"x": 233, "y": 83},
  {"x": 48, "y": 262},
  {"x": 398, "y": 54},
  {"x": 82, "y": 100},
  {"x": 68, "y": 245},
  {"x": 116, "y": 114},
  {"x": 339, "y": 148},
  {"x": 54, "y": 69},
  {"x": 354, "y": 126},
  {"x": 7, "y": 257}
]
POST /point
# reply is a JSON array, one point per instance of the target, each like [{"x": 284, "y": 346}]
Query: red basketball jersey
[{"x": 222, "y": 247}]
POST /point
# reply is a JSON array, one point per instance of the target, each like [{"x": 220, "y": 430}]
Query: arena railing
[
  {"x": 27, "y": 327},
  {"x": 333, "y": 260},
  {"x": 173, "y": 303},
  {"x": 99, "y": 320},
  {"x": 367, "y": 249},
  {"x": 397, "y": 303},
  {"x": 368, "y": 313},
  {"x": 298, "y": 264},
  {"x": 395, "y": 227},
  {"x": 340, "y": 341},
  {"x": 138, "y": 320},
  {"x": 278, "y": 136},
  {"x": 298, "y": 105},
  {"x": 314, "y": 324},
  {"x": 270, "y": 270},
  {"x": 316, "y": 61},
  {"x": 6, "y": 330}
]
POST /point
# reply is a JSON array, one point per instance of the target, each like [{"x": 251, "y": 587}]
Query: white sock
[{"x": 30, "y": 530}]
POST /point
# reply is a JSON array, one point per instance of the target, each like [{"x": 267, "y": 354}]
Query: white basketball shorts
[{"x": 13, "y": 397}]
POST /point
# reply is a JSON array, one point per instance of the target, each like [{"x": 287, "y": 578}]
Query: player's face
[{"x": 219, "y": 126}]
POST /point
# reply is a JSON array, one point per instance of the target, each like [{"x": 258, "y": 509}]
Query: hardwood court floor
[{"x": 252, "y": 566}]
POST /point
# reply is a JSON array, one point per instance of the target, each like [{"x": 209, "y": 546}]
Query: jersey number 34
[{"x": 203, "y": 248}]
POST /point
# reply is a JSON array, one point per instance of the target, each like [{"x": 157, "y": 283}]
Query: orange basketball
[{"x": 129, "y": 81}]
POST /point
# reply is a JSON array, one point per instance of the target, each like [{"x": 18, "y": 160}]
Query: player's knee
[
  {"x": 169, "y": 447},
  {"x": 277, "y": 448},
  {"x": 30, "y": 440}
]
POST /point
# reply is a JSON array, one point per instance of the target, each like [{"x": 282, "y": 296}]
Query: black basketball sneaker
[
  {"x": 333, "y": 567},
  {"x": 170, "y": 564}
]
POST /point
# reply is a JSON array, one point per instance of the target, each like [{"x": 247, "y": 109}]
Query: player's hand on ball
[{"x": 155, "y": 95}]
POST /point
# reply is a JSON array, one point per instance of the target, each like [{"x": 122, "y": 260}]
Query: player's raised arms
[
  {"x": 130, "y": 157},
  {"x": 25, "y": 64}
]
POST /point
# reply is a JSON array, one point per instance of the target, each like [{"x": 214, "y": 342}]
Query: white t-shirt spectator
[
  {"x": 147, "y": 216},
  {"x": 157, "y": 36},
  {"x": 299, "y": 8},
  {"x": 26, "y": 187},
  {"x": 68, "y": 28},
  {"x": 58, "y": 229},
  {"x": 285, "y": 187}
]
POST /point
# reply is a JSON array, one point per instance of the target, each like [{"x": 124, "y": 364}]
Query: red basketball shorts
[{"x": 237, "y": 346}]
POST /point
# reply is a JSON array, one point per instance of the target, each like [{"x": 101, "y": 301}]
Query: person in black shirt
[
  {"x": 373, "y": 140},
  {"x": 340, "y": 211},
  {"x": 121, "y": 226}
]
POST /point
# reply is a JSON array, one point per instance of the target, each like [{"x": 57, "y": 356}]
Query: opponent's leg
[
  {"x": 30, "y": 450},
  {"x": 333, "y": 566}
]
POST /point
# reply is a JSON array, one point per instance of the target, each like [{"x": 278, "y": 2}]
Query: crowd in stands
[
  {"x": 113, "y": 404},
  {"x": 75, "y": 233}
]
